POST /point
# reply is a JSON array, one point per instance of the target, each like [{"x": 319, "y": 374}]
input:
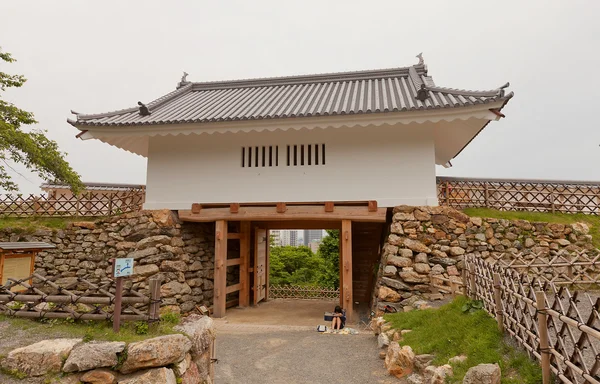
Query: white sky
[{"x": 106, "y": 55}]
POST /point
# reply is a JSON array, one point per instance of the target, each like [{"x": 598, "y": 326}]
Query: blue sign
[{"x": 123, "y": 267}]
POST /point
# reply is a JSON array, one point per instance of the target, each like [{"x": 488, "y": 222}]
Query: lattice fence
[
  {"x": 87, "y": 204},
  {"x": 303, "y": 292},
  {"x": 555, "y": 325},
  {"x": 520, "y": 195},
  {"x": 96, "y": 302}
]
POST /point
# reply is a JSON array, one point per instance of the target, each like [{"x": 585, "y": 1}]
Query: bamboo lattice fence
[
  {"x": 559, "y": 327},
  {"x": 86, "y": 204},
  {"x": 520, "y": 195},
  {"x": 303, "y": 292},
  {"x": 46, "y": 299}
]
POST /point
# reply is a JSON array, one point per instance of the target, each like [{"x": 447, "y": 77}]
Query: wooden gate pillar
[
  {"x": 220, "y": 276},
  {"x": 245, "y": 243},
  {"x": 346, "y": 268}
]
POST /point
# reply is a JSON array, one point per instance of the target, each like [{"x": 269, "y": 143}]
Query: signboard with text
[{"x": 123, "y": 267}]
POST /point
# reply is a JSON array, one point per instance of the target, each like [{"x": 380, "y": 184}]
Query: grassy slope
[
  {"x": 30, "y": 224},
  {"x": 447, "y": 332},
  {"x": 592, "y": 221},
  {"x": 92, "y": 330}
]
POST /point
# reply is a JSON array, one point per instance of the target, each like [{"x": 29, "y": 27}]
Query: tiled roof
[
  {"x": 375, "y": 91},
  {"x": 23, "y": 245}
]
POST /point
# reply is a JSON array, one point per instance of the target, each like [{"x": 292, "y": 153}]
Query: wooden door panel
[{"x": 260, "y": 263}]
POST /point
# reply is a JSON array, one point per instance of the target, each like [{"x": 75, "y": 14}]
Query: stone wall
[
  {"x": 178, "y": 358},
  {"x": 182, "y": 254},
  {"x": 426, "y": 241}
]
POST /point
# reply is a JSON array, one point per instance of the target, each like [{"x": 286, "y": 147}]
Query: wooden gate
[{"x": 261, "y": 247}]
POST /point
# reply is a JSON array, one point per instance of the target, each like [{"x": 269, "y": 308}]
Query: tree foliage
[
  {"x": 300, "y": 266},
  {"x": 31, "y": 149},
  {"x": 329, "y": 252}
]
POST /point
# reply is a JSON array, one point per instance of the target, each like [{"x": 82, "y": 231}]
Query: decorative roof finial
[
  {"x": 183, "y": 81},
  {"x": 420, "y": 57},
  {"x": 144, "y": 111}
]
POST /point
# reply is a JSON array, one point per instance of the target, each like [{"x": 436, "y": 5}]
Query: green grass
[
  {"x": 447, "y": 332},
  {"x": 30, "y": 224},
  {"x": 93, "y": 330},
  {"x": 592, "y": 221}
]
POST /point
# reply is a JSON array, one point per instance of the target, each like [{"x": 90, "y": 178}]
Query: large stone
[
  {"x": 580, "y": 228},
  {"x": 173, "y": 288},
  {"x": 422, "y": 361},
  {"x": 411, "y": 276},
  {"x": 457, "y": 251},
  {"x": 136, "y": 255},
  {"x": 153, "y": 241},
  {"x": 93, "y": 355},
  {"x": 174, "y": 266},
  {"x": 84, "y": 224},
  {"x": 153, "y": 376},
  {"x": 483, "y": 374},
  {"x": 156, "y": 352},
  {"x": 99, "y": 376},
  {"x": 387, "y": 294},
  {"x": 405, "y": 253},
  {"x": 399, "y": 361},
  {"x": 193, "y": 376},
  {"x": 399, "y": 261},
  {"x": 403, "y": 216},
  {"x": 144, "y": 270},
  {"x": 201, "y": 331},
  {"x": 397, "y": 228},
  {"x": 40, "y": 358},
  {"x": 443, "y": 261},
  {"x": 422, "y": 268},
  {"x": 395, "y": 239},
  {"x": 421, "y": 216},
  {"x": 477, "y": 221},
  {"x": 383, "y": 340},
  {"x": 396, "y": 284},
  {"x": 390, "y": 271},
  {"x": 437, "y": 270},
  {"x": 437, "y": 375},
  {"x": 416, "y": 246}
]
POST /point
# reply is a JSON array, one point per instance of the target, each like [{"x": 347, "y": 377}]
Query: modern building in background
[
  {"x": 276, "y": 236},
  {"x": 311, "y": 235},
  {"x": 289, "y": 237}
]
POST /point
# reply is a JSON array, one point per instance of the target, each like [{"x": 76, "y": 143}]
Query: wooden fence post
[
  {"x": 540, "y": 303},
  {"x": 498, "y": 302},
  {"x": 154, "y": 309},
  {"x": 486, "y": 195},
  {"x": 472, "y": 283},
  {"x": 465, "y": 275}
]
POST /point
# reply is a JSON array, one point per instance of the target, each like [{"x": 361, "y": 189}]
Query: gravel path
[{"x": 296, "y": 355}]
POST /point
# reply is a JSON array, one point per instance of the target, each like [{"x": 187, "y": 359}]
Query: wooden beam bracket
[
  {"x": 372, "y": 205},
  {"x": 329, "y": 206},
  {"x": 281, "y": 208},
  {"x": 234, "y": 207},
  {"x": 196, "y": 208}
]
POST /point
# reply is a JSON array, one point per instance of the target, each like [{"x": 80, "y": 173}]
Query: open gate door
[{"x": 261, "y": 247}]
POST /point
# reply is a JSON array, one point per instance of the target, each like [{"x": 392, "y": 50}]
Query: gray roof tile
[{"x": 376, "y": 91}]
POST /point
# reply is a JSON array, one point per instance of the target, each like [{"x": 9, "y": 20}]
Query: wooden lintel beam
[
  {"x": 232, "y": 236},
  {"x": 329, "y": 206},
  {"x": 231, "y": 262},
  {"x": 234, "y": 207},
  {"x": 196, "y": 208},
  {"x": 233, "y": 288},
  {"x": 292, "y": 213}
]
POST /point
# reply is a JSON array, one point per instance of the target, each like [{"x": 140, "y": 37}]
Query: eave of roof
[{"x": 337, "y": 94}]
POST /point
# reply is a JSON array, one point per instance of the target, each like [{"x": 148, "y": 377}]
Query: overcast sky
[{"x": 105, "y": 55}]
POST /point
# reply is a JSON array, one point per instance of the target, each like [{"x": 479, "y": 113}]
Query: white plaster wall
[{"x": 393, "y": 165}]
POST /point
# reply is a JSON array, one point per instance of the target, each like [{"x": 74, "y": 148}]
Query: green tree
[
  {"x": 31, "y": 149},
  {"x": 329, "y": 252},
  {"x": 294, "y": 265}
]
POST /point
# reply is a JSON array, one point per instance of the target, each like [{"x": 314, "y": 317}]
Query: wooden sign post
[{"x": 121, "y": 268}]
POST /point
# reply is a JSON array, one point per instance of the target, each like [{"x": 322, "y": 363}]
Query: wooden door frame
[{"x": 220, "y": 272}]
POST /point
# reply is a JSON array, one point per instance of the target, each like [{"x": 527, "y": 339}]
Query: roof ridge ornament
[
  {"x": 421, "y": 60},
  {"x": 144, "y": 111},
  {"x": 183, "y": 81}
]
